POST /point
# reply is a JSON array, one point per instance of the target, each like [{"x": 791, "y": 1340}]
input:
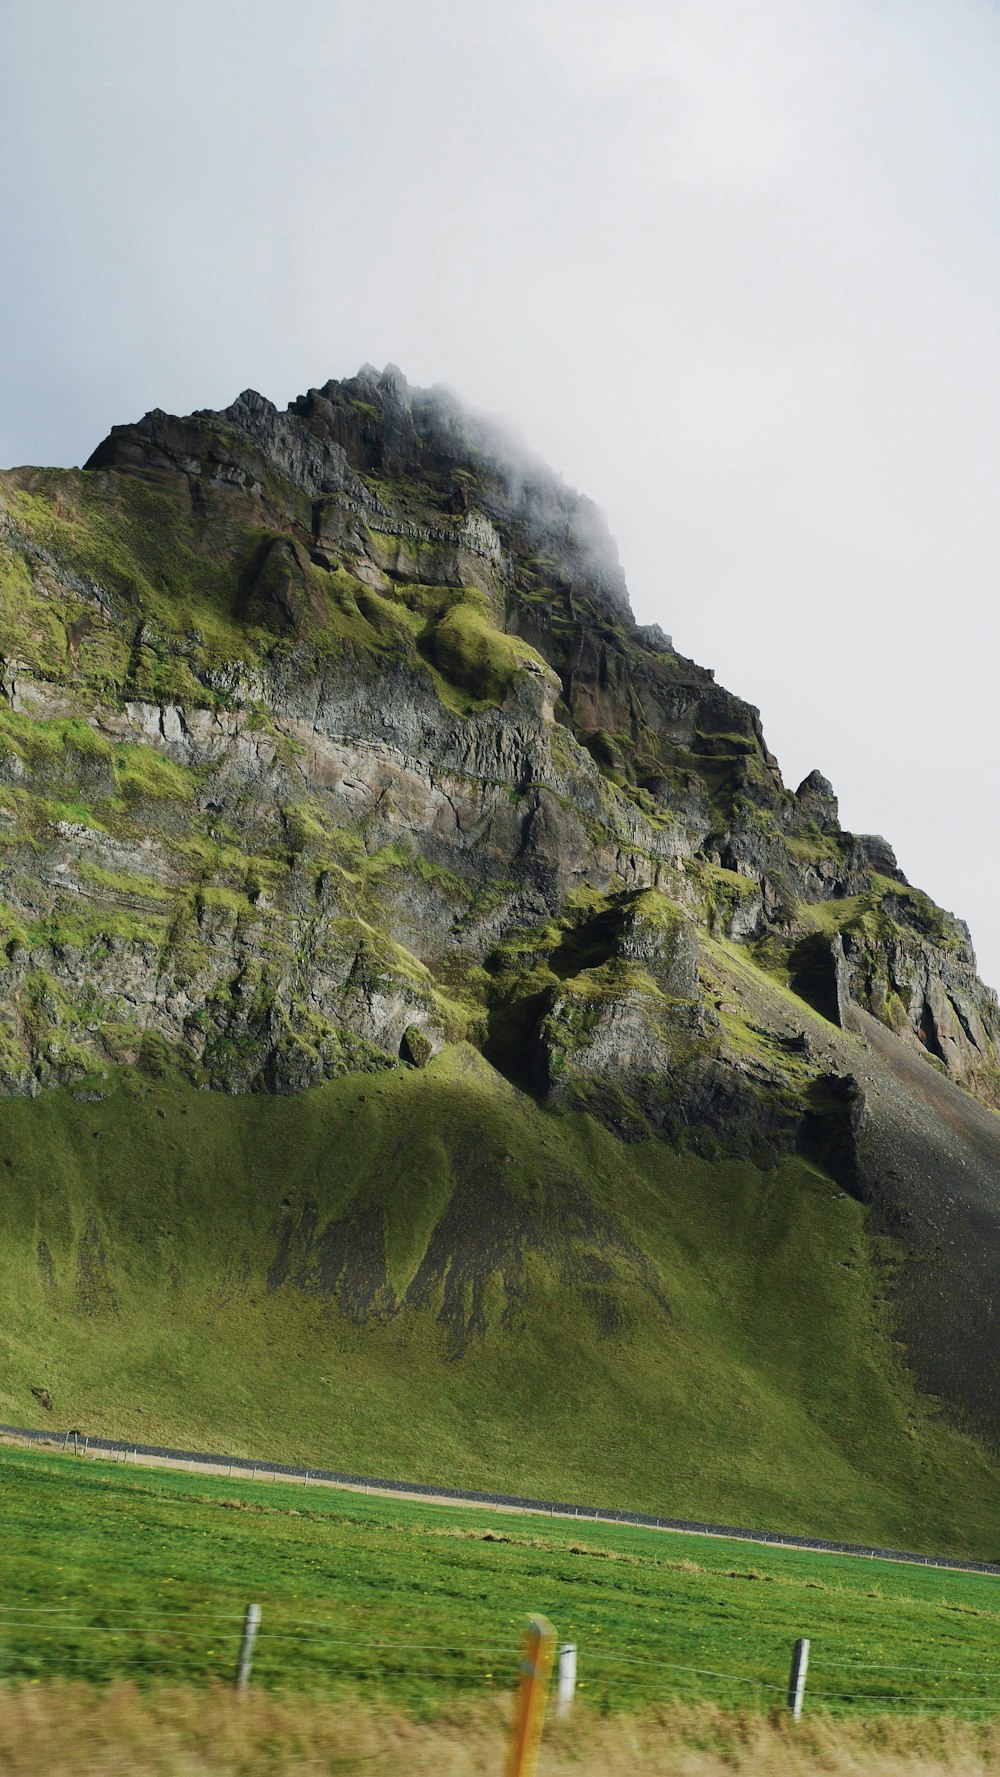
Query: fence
[
  {"x": 234, "y": 1646},
  {"x": 83, "y": 1627},
  {"x": 255, "y": 1469}
]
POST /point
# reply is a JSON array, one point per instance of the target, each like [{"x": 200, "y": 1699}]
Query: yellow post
[{"x": 537, "y": 1653}]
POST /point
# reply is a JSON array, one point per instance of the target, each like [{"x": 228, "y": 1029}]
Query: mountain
[{"x": 336, "y": 774}]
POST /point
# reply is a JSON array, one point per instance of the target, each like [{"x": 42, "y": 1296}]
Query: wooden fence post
[
  {"x": 566, "y": 1678},
  {"x": 537, "y": 1653},
  {"x": 797, "y": 1678},
  {"x": 251, "y": 1624}
]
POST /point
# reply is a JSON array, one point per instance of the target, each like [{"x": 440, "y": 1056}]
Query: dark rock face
[
  {"x": 929, "y": 1169},
  {"x": 881, "y": 856},
  {"x": 816, "y": 798},
  {"x": 820, "y": 974}
]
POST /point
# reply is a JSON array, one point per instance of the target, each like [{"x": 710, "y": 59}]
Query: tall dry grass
[{"x": 78, "y": 1731}]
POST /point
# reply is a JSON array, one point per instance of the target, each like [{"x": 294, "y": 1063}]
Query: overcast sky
[{"x": 732, "y": 266}]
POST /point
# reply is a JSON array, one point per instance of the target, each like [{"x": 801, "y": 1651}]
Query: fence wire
[{"x": 210, "y": 1638}]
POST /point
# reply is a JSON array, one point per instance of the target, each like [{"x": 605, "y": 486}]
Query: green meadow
[
  {"x": 115, "y": 1573},
  {"x": 422, "y": 1274}
]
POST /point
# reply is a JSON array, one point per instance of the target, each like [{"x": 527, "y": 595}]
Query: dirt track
[{"x": 244, "y": 1470}]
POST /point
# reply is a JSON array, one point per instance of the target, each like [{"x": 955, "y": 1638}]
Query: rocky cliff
[
  {"x": 326, "y": 726},
  {"x": 328, "y": 739}
]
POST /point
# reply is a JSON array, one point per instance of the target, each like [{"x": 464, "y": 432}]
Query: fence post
[
  {"x": 251, "y": 1624},
  {"x": 537, "y": 1653},
  {"x": 797, "y": 1678},
  {"x": 566, "y": 1678}
]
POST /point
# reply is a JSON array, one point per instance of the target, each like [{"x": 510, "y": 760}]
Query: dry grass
[{"x": 80, "y": 1731}]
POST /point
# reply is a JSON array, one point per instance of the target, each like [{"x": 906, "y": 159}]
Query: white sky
[{"x": 733, "y": 266}]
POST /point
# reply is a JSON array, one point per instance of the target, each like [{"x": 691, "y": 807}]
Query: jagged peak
[{"x": 376, "y": 423}]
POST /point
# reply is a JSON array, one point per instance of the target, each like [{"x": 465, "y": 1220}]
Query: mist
[{"x": 732, "y": 271}]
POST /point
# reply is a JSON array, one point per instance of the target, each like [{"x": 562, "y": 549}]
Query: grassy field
[
  {"x": 114, "y": 1573},
  {"x": 424, "y": 1275}
]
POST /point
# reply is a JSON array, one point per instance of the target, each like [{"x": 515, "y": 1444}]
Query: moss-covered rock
[
  {"x": 415, "y": 1046},
  {"x": 348, "y": 701}
]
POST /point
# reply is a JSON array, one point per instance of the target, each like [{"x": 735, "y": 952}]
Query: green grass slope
[{"x": 424, "y": 1275}]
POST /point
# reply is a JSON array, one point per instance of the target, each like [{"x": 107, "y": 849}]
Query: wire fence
[
  {"x": 38, "y": 1641},
  {"x": 266, "y": 1470},
  {"x": 203, "y": 1641}
]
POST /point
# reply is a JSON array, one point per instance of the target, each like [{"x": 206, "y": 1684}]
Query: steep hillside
[
  {"x": 329, "y": 748},
  {"x": 423, "y": 1273}
]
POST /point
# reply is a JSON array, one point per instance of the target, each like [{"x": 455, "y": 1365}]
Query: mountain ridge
[
  {"x": 493, "y": 618},
  {"x": 329, "y": 746}
]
